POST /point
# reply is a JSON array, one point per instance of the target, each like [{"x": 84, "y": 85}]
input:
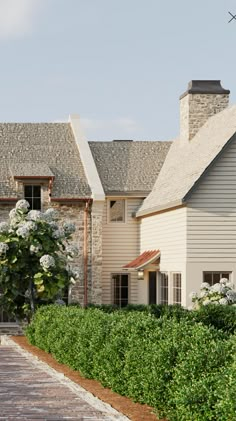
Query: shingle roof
[
  {"x": 186, "y": 162},
  {"x": 50, "y": 144},
  {"x": 126, "y": 166},
  {"x": 31, "y": 169}
]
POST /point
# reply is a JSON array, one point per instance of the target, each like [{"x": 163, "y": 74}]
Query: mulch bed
[{"x": 134, "y": 411}]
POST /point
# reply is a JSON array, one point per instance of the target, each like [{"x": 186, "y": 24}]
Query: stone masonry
[{"x": 202, "y": 100}]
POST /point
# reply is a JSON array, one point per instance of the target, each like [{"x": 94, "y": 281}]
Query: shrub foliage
[{"x": 180, "y": 366}]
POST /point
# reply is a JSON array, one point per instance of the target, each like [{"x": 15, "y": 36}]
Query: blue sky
[{"x": 120, "y": 64}]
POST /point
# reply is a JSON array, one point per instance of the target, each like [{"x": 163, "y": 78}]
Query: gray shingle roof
[
  {"x": 186, "y": 162},
  {"x": 129, "y": 167},
  {"x": 51, "y": 144},
  {"x": 31, "y": 169}
]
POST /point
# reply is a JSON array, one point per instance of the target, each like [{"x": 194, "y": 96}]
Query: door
[{"x": 152, "y": 282}]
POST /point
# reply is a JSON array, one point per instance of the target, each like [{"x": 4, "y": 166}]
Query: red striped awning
[{"x": 144, "y": 259}]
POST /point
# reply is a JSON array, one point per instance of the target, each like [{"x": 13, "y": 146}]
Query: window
[
  {"x": 117, "y": 210},
  {"x": 176, "y": 288},
  {"x": 32, "y": 194},
  {"x": 215, "y": 277},
  {"x": 120, "y": 289},
  {"x": 164, "y": 288}
]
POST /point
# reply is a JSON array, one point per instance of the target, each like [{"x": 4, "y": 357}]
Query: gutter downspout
[{"x": 86, "y": 210}]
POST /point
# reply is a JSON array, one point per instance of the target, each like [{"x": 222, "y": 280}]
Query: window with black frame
[
  {"x": 32, "y": 193},
  {"x": 120, "y": 289}
]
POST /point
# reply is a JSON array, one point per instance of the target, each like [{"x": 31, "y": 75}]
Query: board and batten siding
[
  {"x": 211, "y": 212},
  {"x": 120, "y": 245}
]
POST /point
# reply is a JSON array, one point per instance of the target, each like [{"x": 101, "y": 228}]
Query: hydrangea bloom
[
  {"x": 22, "y": 205},
  {"x": 50, "y": 214},
  {"x": 59, "y": 233},
  {"x": 12, "y": 213},
  {"x": 3, "y": 248},
  {"x": 4, "y": 227},
  {"x": 34, "y": 215},
  {"x": 30, "y": 225},
  {"x": 69, "y": 228},
  {"x": 205, "y": 285},
  {"x": 72, "y": 250},
  {"x": 35, "y": 249},
  {"x": 23, "y": 231},
  {"x": 53, "y": 225},
  {"x": 223, "y": 301},
  {"x": 219, "y": 293},
  {"x": 231, "y": 295},
  {"x": 47, "y": 261}
]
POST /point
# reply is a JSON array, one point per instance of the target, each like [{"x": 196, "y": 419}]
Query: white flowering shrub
[
  {"x": 220, "y": 293},
  {"x": 35, "y": 259}
]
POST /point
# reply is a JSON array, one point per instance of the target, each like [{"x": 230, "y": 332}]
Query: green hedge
[
  {"x": 184, "y": 369},
  {"x": 218, "y": 316}
]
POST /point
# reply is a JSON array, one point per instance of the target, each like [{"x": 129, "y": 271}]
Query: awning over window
[{"x": 143, "y": 260}]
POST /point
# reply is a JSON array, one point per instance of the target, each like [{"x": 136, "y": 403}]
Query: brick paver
[{"x": 30, "y": 392}]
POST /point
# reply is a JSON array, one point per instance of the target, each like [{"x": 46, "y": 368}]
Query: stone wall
[{"x": 196, "y": 109}]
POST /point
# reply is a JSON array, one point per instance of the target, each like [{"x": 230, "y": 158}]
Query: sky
[{"x": 120, "y": 64}]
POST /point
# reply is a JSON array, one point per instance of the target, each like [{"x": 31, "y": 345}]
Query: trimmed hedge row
[
  {"x": 186, "y": 370},
  {"x": 218, "y": 316}
]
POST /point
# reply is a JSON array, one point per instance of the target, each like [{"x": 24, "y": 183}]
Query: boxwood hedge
[{"x": 184, "y": 368}]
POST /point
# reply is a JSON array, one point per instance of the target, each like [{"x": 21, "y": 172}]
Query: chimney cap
[{"x": 205, "y": 87}]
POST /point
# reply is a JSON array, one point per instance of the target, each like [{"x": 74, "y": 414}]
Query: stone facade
[{"x": 196, "y": 109}]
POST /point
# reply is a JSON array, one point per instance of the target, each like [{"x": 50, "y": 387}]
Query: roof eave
[{"x": 159, "y": 209}]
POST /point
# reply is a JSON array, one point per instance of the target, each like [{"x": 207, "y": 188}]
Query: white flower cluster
[
  {"x": 72, "y": 250},
  {"x": 4, "y": 227},
  {"x": 3, "y": 248},
  {"x": 47, "y": 262},
  {"x": 69, "y": 228},
  {"x": 35, "y": 248},
  {"x": 58, "y": 234},
  {"x": 34, "y": 215},
  {"x": 74, "y": 273},
  {"x": 220, "y": 293},
  {"x": 22, "y": 205},
  {"x": 50, "y": 214},
  {"x": 25, "y": 229}
]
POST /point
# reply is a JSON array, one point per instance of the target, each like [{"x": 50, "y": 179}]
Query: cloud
[{"x": 17, "y": 17}]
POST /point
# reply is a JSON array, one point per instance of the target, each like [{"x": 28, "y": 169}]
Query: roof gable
[
  {"x": 129, "y": 167},
  {"x": 186, "y": 163},
  {"x": 53, "y": 150}
]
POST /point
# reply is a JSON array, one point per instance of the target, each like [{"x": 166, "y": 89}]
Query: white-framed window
[
  {"x": 32, "y": 193},
  {"x": 214, "y": 277},
  {"x": 177, "y": 287},
  {"x": 120, "y": 288},
  {"x": 163, "y": 288},
  {"x": 116, "y": 210}
]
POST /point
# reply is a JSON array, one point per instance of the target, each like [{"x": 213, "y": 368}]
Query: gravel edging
[{"x": 60, "y": 377}]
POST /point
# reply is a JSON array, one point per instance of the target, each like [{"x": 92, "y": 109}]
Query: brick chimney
[{"x": 202, "y": 100}]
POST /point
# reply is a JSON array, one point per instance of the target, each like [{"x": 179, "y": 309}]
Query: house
[{"x": 153, "y": 219}]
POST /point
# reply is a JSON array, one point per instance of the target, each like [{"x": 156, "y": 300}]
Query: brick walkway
[{"x": 30, "y": 390}]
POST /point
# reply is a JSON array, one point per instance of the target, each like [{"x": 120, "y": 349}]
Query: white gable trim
[{"x": 87, "y": 159}]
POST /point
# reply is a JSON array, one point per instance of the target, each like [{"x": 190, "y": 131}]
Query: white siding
[
  {"x": 211, "y": 222},
  {"x": 211, "y": 215},
  {"x": 120, "y": 245},
  {"x": 166, "y": 232}
]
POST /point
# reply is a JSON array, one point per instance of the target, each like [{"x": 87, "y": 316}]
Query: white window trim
[
  {"x": 229, "y": 272},
  {"x": 108, "y": 210},
  {"x": 172, "y": 286},
  {"x": 168, "y": 286}
]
